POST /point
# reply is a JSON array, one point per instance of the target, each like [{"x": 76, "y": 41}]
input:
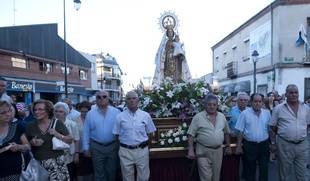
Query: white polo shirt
[{"x": 132, "y": 128}]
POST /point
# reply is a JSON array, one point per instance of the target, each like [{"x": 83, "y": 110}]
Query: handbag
[
  {"x": 57, "y": 143},
  {"x": 34, "y": 171}
]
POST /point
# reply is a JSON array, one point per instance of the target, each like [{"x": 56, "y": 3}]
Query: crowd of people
[
  {"x": 264, "y": 129},
  {"x": 104, "y": 141}
]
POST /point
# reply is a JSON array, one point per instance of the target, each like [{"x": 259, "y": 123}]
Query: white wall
[
  {"x": 240, "y": 52},
  {"x": 292, "y": 76},
  {"x": 289, "y": 19}
]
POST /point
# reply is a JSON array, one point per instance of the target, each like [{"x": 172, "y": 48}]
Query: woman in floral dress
[{"x": 40, "y": 134}]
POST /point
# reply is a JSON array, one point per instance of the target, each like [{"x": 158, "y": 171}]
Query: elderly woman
[
  {"x": 12, "y": 142},
  {"x": 72, "y": 155},
  {"x": 41, "y": 132}
]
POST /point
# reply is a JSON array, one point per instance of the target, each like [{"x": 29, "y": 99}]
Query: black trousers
[{"x": 254, "y": 153}]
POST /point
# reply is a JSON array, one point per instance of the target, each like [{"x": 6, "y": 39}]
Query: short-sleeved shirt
[
  {"x": 45, "y": 151},
  {"x": 133, "y": 128},
  {"x": 10, "y": 162},
  {"x": 234, "y": 115},
  {"x": 74, "y": 115},
  {"x": 205, "y": 133},
  {"x": 254, "y": 128},
  {"x": 290, "y": 126}
]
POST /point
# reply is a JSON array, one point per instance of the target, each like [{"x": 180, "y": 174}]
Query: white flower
[
  {"x": 146, "y": 101},
  {"x": 169, "y": 94},
  {"x": 184, "y": 138},
  {"x": 177, "y": 139},
  {"x": 203, "y": 91},
  {"x": 162, "y": 143},
  {"x": 176, "y": 105},
  {"x": 170, "y": 131},
  {"x": 184, "y": 125},
  {"x": 167, "y": 113},
  {"x": 162, "y": 135},
  {"x": 157, "y": 113},
  {"x": 170, "y": 141},
  {"x": 192, "y": 101}
]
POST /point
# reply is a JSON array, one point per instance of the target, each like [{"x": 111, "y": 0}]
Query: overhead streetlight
[
  {"x": 77, "y": 5},
  {"x": 255, "y": 55}
]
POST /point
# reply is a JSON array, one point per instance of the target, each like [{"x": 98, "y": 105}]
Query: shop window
[
  {"x": 83, "y": 75},
  {"x": 18, "y": 62},
  {"x": 45, "y": 67}
]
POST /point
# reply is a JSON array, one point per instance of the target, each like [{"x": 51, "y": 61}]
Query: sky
[{"x": 129, "y": 29}]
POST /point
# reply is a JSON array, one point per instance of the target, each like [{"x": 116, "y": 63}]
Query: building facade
[
  {"x": 282, "y": 60},
  {"x": 109, "y": 76},
  {"x": 32, "y": 60}
]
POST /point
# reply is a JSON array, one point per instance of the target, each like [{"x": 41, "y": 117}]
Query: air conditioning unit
[{"x": 232, "y": 68}]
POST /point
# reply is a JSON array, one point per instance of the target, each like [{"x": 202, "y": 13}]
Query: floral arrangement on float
[
  {"x": 180, "y": 100},
  {"x": 176, "y": 137}
]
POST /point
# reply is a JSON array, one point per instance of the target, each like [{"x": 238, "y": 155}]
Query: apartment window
[
  {"x": 69, "y": 69},
  {"x": 18, "y": 62},
  {"x": 107, "y": 69},
  {"x": 45, "y": 67},
  {"x": 83, "y": 75}
]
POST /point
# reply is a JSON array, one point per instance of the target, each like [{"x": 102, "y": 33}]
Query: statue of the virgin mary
[{"x": 170, "y": 58}]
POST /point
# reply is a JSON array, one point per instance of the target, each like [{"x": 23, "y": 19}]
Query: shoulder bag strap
[{"x": 54, "y": 124}]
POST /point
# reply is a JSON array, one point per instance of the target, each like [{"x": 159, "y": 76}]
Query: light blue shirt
[
  {"x": 98, "y": 126},
  {"x": 254, "y": 128},
  {"x": 133, "y": 128},
  {"x": 234, "y": 115}
]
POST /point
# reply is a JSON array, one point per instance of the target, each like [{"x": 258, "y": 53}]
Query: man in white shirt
[
  {"x": 290, "y": 122},
  {"x": 253, "y": 127},
  {"x": 73, "y": 115},
  {"x": 132, "y": 128}
]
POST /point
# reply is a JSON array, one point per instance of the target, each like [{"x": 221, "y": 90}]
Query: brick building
[{"x": 32, "y": 60}]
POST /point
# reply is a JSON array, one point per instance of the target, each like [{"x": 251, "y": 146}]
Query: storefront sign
[
  {"x": 62, "y": 89},
  {"x": 20, "y": 86}
]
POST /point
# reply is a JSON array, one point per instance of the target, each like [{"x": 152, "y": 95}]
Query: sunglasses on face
[{"x": 101, "y": 97}]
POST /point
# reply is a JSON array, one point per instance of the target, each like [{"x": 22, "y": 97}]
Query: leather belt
[
  {"x": 256, "y": 142},
  {"x": 293, "y": 142},
  {"x": 141, "y": 145},
  {"x": 103, "y": 144}
]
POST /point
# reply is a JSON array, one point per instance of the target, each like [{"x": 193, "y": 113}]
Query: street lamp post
[
  {"x": 254, "y": 59},
  {"x": 77, "y": 5}
]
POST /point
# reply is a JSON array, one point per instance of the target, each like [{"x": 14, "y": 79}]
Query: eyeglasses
[{"x": 101, "y": 97}]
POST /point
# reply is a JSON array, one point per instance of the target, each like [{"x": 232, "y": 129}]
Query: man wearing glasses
[
  {"x": 132, "y": 128},
  {"x": 98, "y": 140}
]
